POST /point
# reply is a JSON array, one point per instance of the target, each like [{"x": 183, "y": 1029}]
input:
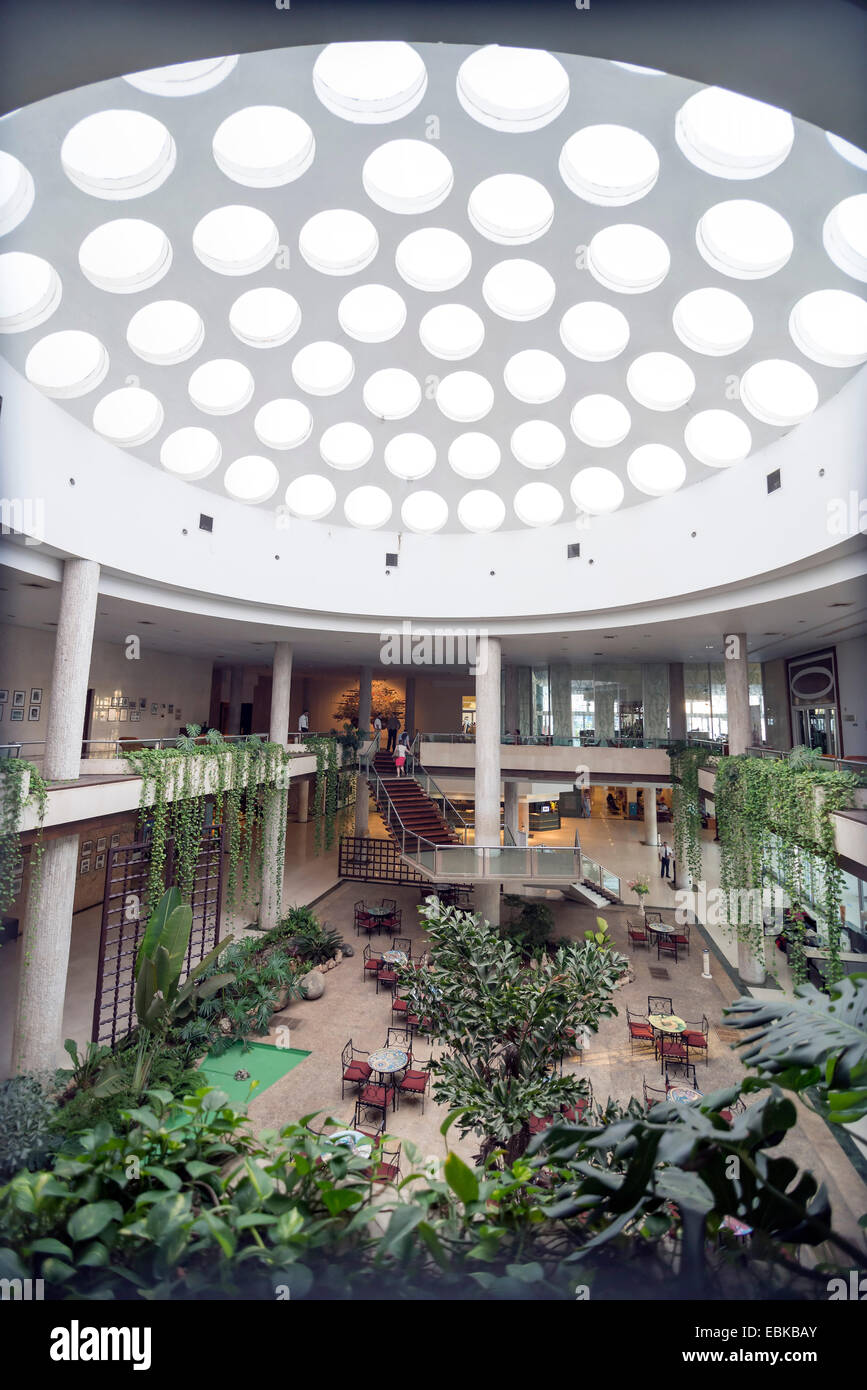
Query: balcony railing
[{"x": 550, "y": 741}]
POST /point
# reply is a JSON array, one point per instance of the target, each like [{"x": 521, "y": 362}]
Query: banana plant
[{"x": 159, "y": 997}]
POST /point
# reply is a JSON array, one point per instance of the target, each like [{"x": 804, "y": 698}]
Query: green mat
[{"x": 265, "y": 1063}]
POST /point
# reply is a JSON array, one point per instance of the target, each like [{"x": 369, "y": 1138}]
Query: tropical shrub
[{"x": 26, "y": 1111}]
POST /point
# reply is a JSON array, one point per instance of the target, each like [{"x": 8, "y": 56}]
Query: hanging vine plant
[
  {"x": 14, "y": 774},
  {"x": 685, "y": 804},
  {"x": 325, "y": 796},
  {"x": 242, "y": 779},
  {"x": 775, "y": 819}
]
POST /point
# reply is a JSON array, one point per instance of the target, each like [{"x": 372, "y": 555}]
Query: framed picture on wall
[
  {"x": 4, "y": 696},
  {"x": 100, "y": 861},
  {"x": 123, "y": 713},
  {"x": 171, "y": 709},
  {"x": 155, "y": 709},
  {"x": 36, "y": 696},
  {"x": 33, "y": 712},
  {"x": 112, "y": 716},
  {"x": 19, "y": 697},
  {"x": 142, "y": 704},
  {"x": 124, "y": 701},
  {"x": 84, "y": 867},
  {"x": 1, "y": 711},
  {"x": 16, "y": 714},
  {"x": 115, "y": 839},
  {"x": 100, "y": 844},
  {"x": 178, "y": 712},
  {"x": 87, "y": 847},
  {"x": 135, "y": 715}
]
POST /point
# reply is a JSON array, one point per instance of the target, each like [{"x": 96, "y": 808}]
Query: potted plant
[{"x": 640, "y": 887}]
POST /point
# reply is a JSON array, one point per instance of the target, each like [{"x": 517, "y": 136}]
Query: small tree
[{"x": 506, "y": 1026}]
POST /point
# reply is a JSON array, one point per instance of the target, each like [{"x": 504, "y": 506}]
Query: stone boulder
[
  {"x": 348, "y": 949},
  {"x": 312, "y": 985}
]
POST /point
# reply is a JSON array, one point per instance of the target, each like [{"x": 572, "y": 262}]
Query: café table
[
  {"x": 387, "y": 1060},
  {"x": 395, "y": 957},
  {"x": 683, "y": 1094},
  {"x": 666, "y": 1023},
  {"x": 354, "y": 1139}
]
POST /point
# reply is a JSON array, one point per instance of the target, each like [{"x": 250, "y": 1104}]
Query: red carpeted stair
[{"x": 417, "y": 812}]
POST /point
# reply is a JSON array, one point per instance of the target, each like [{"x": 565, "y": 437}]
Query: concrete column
[
  {"x": 362, "y": 793},
  {"x": 676, "y": 703},
  {"x": 511, "y": 713},
  {"x": 274, "y": 857},
  {"x": 740, "y": 734},
  {"x": 751, "y": 964},
  {"x": 303, "y": 802},
  {"x": 409, "y": 707},
  {"x": 38, "y": 1037},
  {"x": 651, "y": 830},
  {"x": 236, "y": 689},
  {"x": 487, "y": 781},
  {"x": 510, "y": 808}
]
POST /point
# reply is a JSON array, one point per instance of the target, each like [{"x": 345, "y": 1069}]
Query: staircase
[{"x": 418, "y": 815}]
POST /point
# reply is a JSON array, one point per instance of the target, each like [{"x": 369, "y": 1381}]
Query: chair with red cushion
[
  {"x": 373, "y": 962},
  {"x": 672, "y": 1051},
  {"x": 666, "y": 945},
  {"x": 386, "y": 1165},
  {"x": 640, "y": 1031},
  {"x": 377, "y": 1095},
  {"x": 696, "y": 1036},
  {"x": 363, "y": 920},
  {"x": 575, "y": 1113},
  {"x": 652, "y": 1096},
  {"x": 399, "y": 1007},
  {"x": 386, "y": 976},
  {"x": 359, "y": 1123},
  {"x": 414, "y": 1082},
  {"x": 392, "y": 922},
  {"x": 403, "y": 943},
  {"x": 680, "y": 937},
  {"x": 356, "y": 1070},
  {"x": 539, "y": 1123},
  {"x": 637, "y": 934}
]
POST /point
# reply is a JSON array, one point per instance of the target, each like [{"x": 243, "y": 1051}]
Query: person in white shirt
[
  {"x": 377, "y": 729},
  {"x": 304, "y": 722}
]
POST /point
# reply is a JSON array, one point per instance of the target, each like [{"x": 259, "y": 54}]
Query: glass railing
[
  {"x": 454, "y": 863},
  {"x": 552, "y": 741}
]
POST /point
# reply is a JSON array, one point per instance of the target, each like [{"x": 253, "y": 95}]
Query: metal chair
[
  {"x": 652, "y": 1096},
  {"x": 403, "y": 943},
  {"x": 689, "y": 1074},
  {"x": 637, "y": 934},
  {"x": 640, "y": 1030},
  {"x": 356, "y": 1070},
  {"x": 696, "y": 1037},
  {"x": 358, "y": 1121},
  {"x": 373, "y": 963},
  {"x": 672, "y": 1051},
  {"x": 414, "y": 1082},
  {"x": 680, "y": 936},
  {"x": 400, "y": 1037},
  {"x": 659, "y": 1004},
  {"x": 666, "y": 944},
  {"x": 386, "y": 1165}
]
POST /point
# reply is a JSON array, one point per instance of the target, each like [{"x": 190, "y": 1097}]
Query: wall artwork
[
  {"x": 84, "y": 867},
  {"x": 100, "y": 861},
  {"x": 19, "y": 697},
  {"x": 100, "y": 844},
  {"x": 135, "y": 716},
  {"x": 36, "y": 696},
  {"x": 33, "y": 712},
  {"x": 4, "y": 696},
  {"x": 16, "y": 714},
  {"x": 87, "y": 847},
  {"x": 115, "y": 840},
  {"x": 155, "y": 709}
]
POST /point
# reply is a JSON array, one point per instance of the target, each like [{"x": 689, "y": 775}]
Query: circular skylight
[
  {"x": 481, "y": 511},
  {"x": 265, "y": 317},
  {"x": 367, "y": 508},
  {"x": 512, "y": 89},
  {"x": 635, "y": 67},
  {"x": 251, "y": 479},
  {"x": 125, "y": 256},
  {"x": 67, "y": 364},
  {"x": 392, "y": 394},
  {"x": 845, "y": 235},
  {"x": 346, "y": 445},
  {"x": 183, "y": 79},
  {"x": 369, "y": 83},
  {"x": 221, "y": 387},
  {"x": 778, "y": 392},
  {"x": 538, "y": 504},
  {"x": 465, "y": 396},
  {"x": 310, "y": 497},
  {"x": 474, "y": 456},
  {"x": 830, "y": 326},
  {"x": 628, "y": 258},
  {"x": 733, "y": 136},
  {"x": 128, "y": 417},
  {"x": 433, "y": 259},
  {"x": 656, "y": 469},
  {"x": 534, "y": 376},
  {"x": 323, "y": 368},
  {"x": 16, "y": 192},
  {"x": 849, "y": 152},
  {"x": 594, "y": 331},
  {"x": 660, "y": 381},
  {"x": 452, "y": 331},
  {"x": 744, "y": 239},
  {"x": 283, "y": 423},
  {"x": 410, "y": 456},
  {"x": 424, "y": 512},
  {"x": 118, "y": 154},
  {"x": 601, "y": 421},
  {"x": 511, "y": 209},
  {"x": 596, "y": 491},
  {"x": 191, "y": 453},
  {"x": 166, "y": 331},
  {"x": 235, "y": 240},
  {"x": 338, "y": 241},
  {"x": 610, "y": 165},
  {"x": 718, "y": 438},
  {"x": 538, "y": 444},
  {"x": 264, "y": 146},
  {"x": 519, "y": 290},
  {"x": 407, "y": 176},
  {"x": 712, "y": 321},
  {"x": 371, "y": 313},
  {"x": 30, "y": 291}
]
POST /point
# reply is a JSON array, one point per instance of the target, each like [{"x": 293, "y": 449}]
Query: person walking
[
  {"x": 400, "y": 759},
  {"x": 393, "y": 725},
  {"x": 304, "y": 722},
  {"x": 664, "y": 854},
  {"x": 377, "y": 731}
]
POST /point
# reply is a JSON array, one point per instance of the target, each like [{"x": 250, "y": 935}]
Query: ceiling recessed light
[
  {"x": 718, "y": 438},
  {"x": 610, "y": 165},
  {"x": 310, "y": 497},
  {"x": 512, "y": 89},
  {"x": 165, "y": 332},
  {"x": 128, "y": 417},
  {"x": 251, "y": 479},
  {"x": 407, "y": 176},
  {"x": 474, "y": 456},
  {"x": 851, "y": 153},
  {"x": 433, "y": 259},
  {"x": 17, "y": 192},
  {"x": 534, "y": 376},
  {"x": 125, "y": 256},
  {"x": 367, "y": 507},
  {"x": 830, "y": 327},
  {"x": 481, "y": 511},
  {"x": 235, "y": 240},
  {"x": 67, "y": 364},
  {"x": 744, "y": 239},
  {"x": 628, "y": 258},
  {"x": 465, "y": 396},
  {"x": 733, "y": 136},
  {"x": 845, "y": 236},
  {"x": 372, "y": 313},
  {"x": 596, "y": 491},
  {"x": 778, "y": 392},
  {"x": 601, "y": 421},
  {"x": 338, "y": 241},
  {"x": 538, "y": 504},
  {"x": 660, "y": 381},
  {"x": 519, "y": 290},
  {"x": 190, "y": 453},
  {"x": 594, "y": 331},
  {"x": 712, "y": 321},
  {"x": 283, "y": 423},
  {"x": 263, "y": 146},
  {"x": 452, "y": 331},
  {"x": 118, "y": 154},
  {"x": 392, "y": 394},
  {"x": 511, "y": 209},
  {"x": 346, "y": 445},
  {"x": 183, "y": 79},
  {"x": 265, "y": 317},
  {"x": 656, "y": 469},
  {"x": 369, "y": 83},
  {"x": 221, "y": 387},
  {"x": 410, "y": 456},
  {"x": 424, "y": 512},
  {"x": 30, "y": 291},
  {"x": 323, "y": 368},
  {"x": 538, "y": 444}
]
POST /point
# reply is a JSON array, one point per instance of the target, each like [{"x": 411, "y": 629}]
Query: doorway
[{"x": 816, "y": 727}]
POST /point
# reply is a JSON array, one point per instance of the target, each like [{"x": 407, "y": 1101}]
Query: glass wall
[{"x": 599, "y": 701}]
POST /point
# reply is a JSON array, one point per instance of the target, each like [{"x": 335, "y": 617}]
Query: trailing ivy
[
  {"x": 13, "y": 802},
  {"x": 325, "y": 796},
  {"x": 686, "y": 813}
]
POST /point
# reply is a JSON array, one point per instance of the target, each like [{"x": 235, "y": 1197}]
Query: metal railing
[
  {"x": 552, "y": 741},
  {"x": 856, "y": 765},
  {"x": 113, "y": 748}
]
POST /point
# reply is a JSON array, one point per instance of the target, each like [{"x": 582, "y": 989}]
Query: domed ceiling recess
[{"x": 430, "y": 287}]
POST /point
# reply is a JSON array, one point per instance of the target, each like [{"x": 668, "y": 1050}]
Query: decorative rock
[
  {"x": 225, "y": 1025},
  {"x": 348, "y": 950},
  {"x": 312, "y": 985},
  {"x": 338, "y": 958}
]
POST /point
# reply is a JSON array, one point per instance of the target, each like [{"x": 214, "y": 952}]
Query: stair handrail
[
  {"x": 420, "y": 768},
  {"x": 421, "y": 839}
]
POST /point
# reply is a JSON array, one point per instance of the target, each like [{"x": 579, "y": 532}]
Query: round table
[
  {"x": 666, "y": 1023},
  {"x": 395, "y": 957},
  {"x": 683, "y": 1094},
  {"x": 387, "y": 1060},
  {"x": 353, "y": 1139},
  {"x": 379, "y": 912},
  {"x": 659, "y": 928}
]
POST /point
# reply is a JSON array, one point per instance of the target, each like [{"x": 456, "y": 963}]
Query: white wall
[{"x": 852, "y": 682}]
